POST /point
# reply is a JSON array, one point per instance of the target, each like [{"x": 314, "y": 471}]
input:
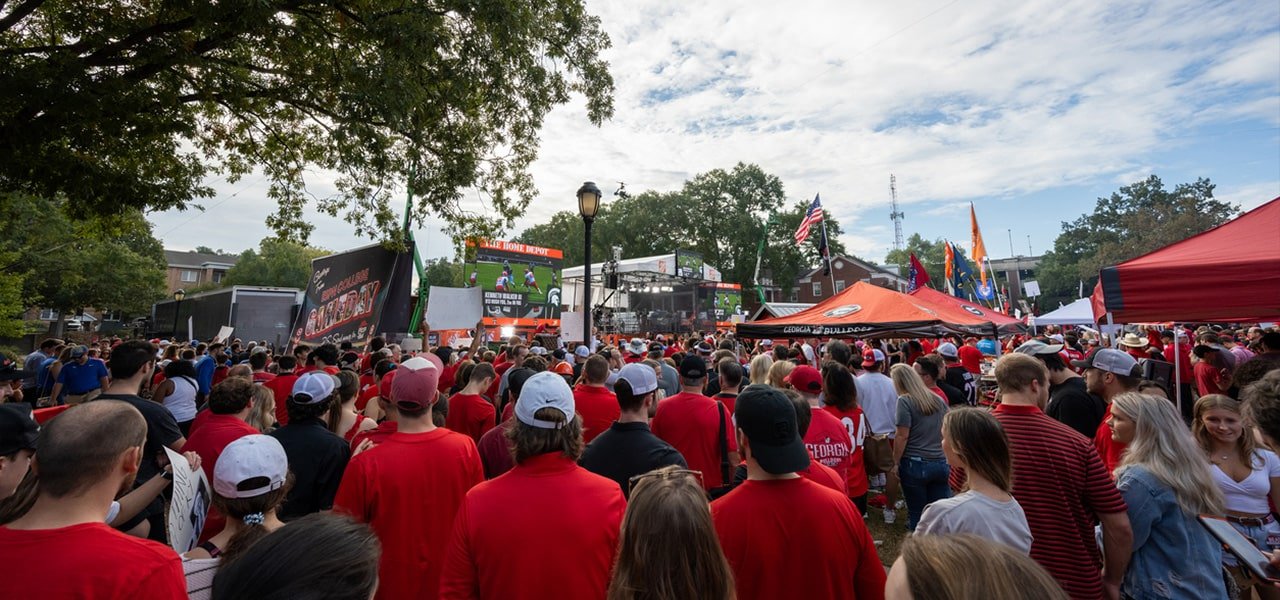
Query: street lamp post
[
  {"x": 178, "y": 295},
  {"x": 588, "y": 206}
]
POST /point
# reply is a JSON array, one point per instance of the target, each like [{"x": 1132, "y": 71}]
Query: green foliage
[
  {"x": 11, "y": 305},
  {"x": 931, "y": 253},
  {"x": 720, "y": 214},
  {"x": 442, "y": 272},
  {"x": 67, "y": 264},
  {"x": 1137, "y": 219},
  {"x": 208, "y": 250},
  {"x": 276, "y": 263},
  {"x": 127, "y": 105}
]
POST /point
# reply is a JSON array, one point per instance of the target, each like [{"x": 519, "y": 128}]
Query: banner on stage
[{"x": 354, "y": 296}]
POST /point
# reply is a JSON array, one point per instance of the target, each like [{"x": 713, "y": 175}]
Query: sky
[{"x": 1030, "y": 110}]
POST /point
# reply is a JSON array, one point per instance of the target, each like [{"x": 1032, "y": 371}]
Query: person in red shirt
[
  {"x": 970, "y": 356},
  {"x": 547, "y": 526},
  {"x": 813, "y": 543},
  {"x": 470, "y": 413},
  {"x": 1109, "y": 373},
  {"x": 1210, "y": 371},
  {"x": 282, "y": 387},
  {"x": 692, "y": 424},
  {"x": 494, "y": 447},
  {"x": 1061, "y": 484},
  {"x": 816, "y": 471},
  {"x": 826, "y": 438},
  {"x": 67, "y": 523},
  {"x": 597, "y": 406},
  {"x": 258, "y": 360},
  {"x": 230, "y": 404},
  {"x": 636, "y": 351},
  {"x": 730, "y": 374},
  {"x": 840, "y": 394},
  {"x": 388, "y": 426},
  {"x": 409, "y": 487}
]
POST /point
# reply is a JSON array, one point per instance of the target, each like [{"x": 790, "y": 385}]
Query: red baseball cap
[{"x": 805, "y": 379}]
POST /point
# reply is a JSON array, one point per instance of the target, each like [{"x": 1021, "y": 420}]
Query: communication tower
[{"x": 896, "y": 215}]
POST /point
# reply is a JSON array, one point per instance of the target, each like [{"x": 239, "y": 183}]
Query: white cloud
[{"x": 961, "y": 101}]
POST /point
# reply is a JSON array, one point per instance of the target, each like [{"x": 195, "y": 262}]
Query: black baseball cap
[
  {"x": 768, "y": 419},
  {"x": 693, "y": 367},
  {"x": 515, "y": 381},
  {"x": 17, "y": 430}
]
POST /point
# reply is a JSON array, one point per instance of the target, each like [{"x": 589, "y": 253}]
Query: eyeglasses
[{"x": 660, "y": 474}]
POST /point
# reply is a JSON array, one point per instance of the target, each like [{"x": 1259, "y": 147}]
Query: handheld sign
[{"x": 189, "y": 505}]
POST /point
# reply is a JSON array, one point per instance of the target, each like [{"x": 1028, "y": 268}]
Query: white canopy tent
[{"x": 1079, "y": 312}]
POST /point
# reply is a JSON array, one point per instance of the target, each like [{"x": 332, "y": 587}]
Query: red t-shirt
[
  {"x": 282, "y": 388},
  {"x": 378, "y": 434},
  {"x": 495, "y": 451},
  {"x": 471, "y": 415},
  {"x": 813, "y": 545},
  {"x": 1208, "y": 379},
  {"x": 409, "y": 489},
  {"x": 263, "y": 376},
  {"x": 971, "y": 358},
  {"x": 90, "y": 560},
  {"x": 855, "y": 425},
  {"x": 822, "y": 475},
  {"x": 447, "y": 376},
  {"x": 1062, "y": 487},
  {"x": 216, "y": 432},
  {"x": 545, "y": 525},
  {"x": 730, "y": 401},
  {"x": 350, "y": 434},
  {"x": 219, "y": 374},
  {"x": 598, "y": 407},
  {"x": 828, "y": 442},
  {"x": 366, "y": 394},
  {"x": 691, "y": 423},
  {"x": 1108, "y": 449}
]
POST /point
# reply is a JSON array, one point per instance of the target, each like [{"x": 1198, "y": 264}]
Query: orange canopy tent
[
  {"x": 865, "y": 311},
  {"x": 947, "y": 305}
]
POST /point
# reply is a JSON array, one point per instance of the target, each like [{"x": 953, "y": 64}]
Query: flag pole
[{"x": 826, "y": 251}]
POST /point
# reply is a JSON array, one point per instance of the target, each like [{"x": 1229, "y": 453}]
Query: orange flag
[{"x": 978, "y": 250}]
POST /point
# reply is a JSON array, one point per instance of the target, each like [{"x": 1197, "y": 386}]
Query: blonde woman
[
  {"x": 945, "y": 567},
  {"x": 1166, "y": 485},
  {"x": 759, "y": 367},
  {"x": 263, "y": 416},
  {"x": 919, "y": 462},
  {"x": 778, "y": 373},
  {"x": 1246, "y": 474}
]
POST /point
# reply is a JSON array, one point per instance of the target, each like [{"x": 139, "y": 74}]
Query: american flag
[{"x": 813, "y": 217}]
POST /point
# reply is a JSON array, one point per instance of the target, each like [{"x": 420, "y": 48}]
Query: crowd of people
[{"x": 666, "y": 467}]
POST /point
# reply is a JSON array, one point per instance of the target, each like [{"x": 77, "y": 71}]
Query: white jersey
[{"x": 879, "y": 402}]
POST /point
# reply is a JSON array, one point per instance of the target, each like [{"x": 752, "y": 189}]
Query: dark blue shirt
[{"x": 82, "y": 379}]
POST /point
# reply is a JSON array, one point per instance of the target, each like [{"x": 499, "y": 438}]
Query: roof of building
[
  {"x": 178, "y": 258},
  {"x": 779, "y": 309},
  {"x": 871, "y": 268}
]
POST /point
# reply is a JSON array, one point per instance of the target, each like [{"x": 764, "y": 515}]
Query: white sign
[
  {"x": 454, "y": 308},
  {"x": 224, "y": 334},
  {"x": 189, "y": 505},
  {"x": 571, "y": 327},
  {"x": 191, "y": 327},
  {"x": 1032, "y": 288}
]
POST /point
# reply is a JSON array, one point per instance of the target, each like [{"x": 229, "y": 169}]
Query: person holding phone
[
  {"x": 1247, "y": 475},
  {"x": 1166, "y": 486}
]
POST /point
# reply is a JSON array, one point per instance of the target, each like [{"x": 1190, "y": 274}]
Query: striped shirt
[{"x": 1062, "y": 486}]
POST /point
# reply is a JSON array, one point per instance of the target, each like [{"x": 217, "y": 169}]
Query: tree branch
[{"x": 19, "y": 13}]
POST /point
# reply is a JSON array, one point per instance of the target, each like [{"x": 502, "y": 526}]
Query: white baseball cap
[
  {"x": 582, "y": 351},
  {"x": 246, "y": 461},
  {"x": 949, "y": 350},
  {"x": 641, "y": 377},
  {"x": 544, "y": 390},
  {"x": 316, "y": 386}
]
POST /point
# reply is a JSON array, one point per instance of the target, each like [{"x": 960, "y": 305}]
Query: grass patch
[{"x": 889, "y": 536}]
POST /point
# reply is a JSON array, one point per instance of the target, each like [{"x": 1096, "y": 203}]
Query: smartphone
[{"x": 1250, "y": 556}]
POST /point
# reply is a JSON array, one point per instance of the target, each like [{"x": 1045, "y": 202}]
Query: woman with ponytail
[{"x": 250, "y": 481}]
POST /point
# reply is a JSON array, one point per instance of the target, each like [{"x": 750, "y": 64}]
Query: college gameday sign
[{"x": 354, "y": 296}]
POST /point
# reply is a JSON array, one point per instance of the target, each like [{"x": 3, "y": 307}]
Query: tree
[
  {"x": 68, "y": 264},
  {"x": 126, "y": 105},
  {"x": 1133, "y": 221},
  {"x": 931, "y": 254},
  {"x": 442, "y": 272},
  {"x": 208, "y": 250},
  {"x": 276, "y": 263},
  {"x": 720, "y": 214},
  {"x": 11, "y": 306}
]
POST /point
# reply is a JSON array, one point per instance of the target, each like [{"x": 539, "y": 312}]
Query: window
[
  {"x": 839, "y": 285},
  {"x": 190, "y": 276},
  {"x": 48, "y": 314},
  {"x": 218, "y": 275},
  {"x": 794, "y": 297},
  {"x": 110, "y": 315},
  {"x": 817, "y": 289}
]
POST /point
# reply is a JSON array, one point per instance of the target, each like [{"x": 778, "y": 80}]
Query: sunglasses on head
[{"x": 631, "y": 483}]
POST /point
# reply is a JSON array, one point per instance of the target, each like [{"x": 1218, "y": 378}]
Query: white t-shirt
[
  {"x": 879, "y": 402},
  {"x": 1250, "y": 495},
  {"x": 979, "y": 515},
  {"x": 200, "y": 573}
]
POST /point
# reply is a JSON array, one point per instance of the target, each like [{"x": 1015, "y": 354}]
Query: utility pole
[{"x": 896, "y": 215}]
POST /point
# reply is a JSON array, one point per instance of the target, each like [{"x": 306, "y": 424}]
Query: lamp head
[{"x": 588, "y": 200}]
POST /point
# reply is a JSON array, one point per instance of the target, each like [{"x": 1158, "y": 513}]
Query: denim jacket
[{"x": 1174, "y": 556}]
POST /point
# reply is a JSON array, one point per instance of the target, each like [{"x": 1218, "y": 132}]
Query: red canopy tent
[
  {"x": 1230, "y": 273},
  {"x": 865, "y": 311},
  {"x": 946, "y": 305}
]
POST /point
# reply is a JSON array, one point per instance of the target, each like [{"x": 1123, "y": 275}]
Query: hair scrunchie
[{"x": 254, "y": 519}]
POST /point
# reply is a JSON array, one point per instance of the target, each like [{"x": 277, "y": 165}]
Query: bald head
[{"x": 82, "y": 446}]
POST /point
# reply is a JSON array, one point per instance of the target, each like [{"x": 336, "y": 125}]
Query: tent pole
[{"x": 1177, "y": 370}]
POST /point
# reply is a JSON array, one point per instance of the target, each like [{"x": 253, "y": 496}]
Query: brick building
[{"x": 813, "y": 287}]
